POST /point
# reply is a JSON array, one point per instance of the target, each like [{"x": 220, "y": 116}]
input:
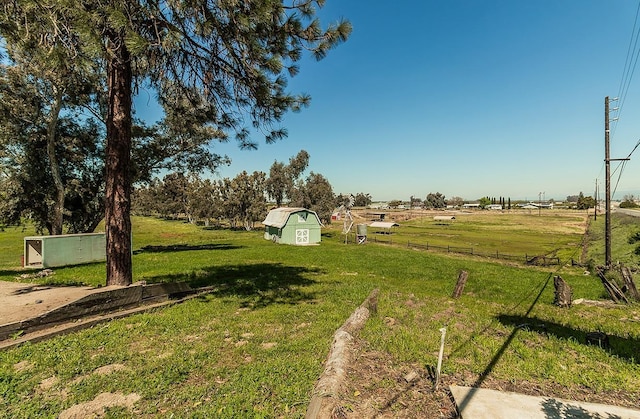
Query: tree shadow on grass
[
  {"x": 185, "y": 247},
  {"x": 12, "y": 272},
  {"x": 256, "y": 285},
  {"x": 35, "y": 276},
  {"x": 625, "y": 348}
]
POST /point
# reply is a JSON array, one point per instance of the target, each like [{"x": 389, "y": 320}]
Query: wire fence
[{"x": 540, "y": 260}]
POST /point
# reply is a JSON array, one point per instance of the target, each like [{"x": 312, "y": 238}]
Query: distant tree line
[
  {"x": 243, "y": 200},
  {"x": 581, "y": 201},
  {"x": 436, "y": 200}
]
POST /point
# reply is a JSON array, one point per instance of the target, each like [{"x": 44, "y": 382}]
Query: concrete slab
[{"x": 479, "y": 403}]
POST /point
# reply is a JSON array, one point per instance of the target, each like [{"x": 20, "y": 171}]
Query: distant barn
[{"x": 297, "y": 226}]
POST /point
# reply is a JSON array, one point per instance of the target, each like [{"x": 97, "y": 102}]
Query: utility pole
[
  {"x": 607, "y": 187},
  {"x": 607, "y": 183},
  {"x": 596, "y": 197}
]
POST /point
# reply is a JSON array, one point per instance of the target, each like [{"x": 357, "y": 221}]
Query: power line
[
  {"x": 631, "y": 61},
  {"x": 621, "y": 166},
  {"x": 633, "y": 53}
]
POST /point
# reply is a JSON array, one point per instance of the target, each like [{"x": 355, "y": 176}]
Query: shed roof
[
  {"x": 383, "y": 224},
  {"x": 278, "y": 217}
]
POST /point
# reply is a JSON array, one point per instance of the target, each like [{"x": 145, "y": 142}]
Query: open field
[
  {"x": 256, "y": 345},
  {"x": 556, "y": 233}
]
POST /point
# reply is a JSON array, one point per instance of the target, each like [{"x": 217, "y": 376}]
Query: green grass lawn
[{"x": 256, "y": 345}]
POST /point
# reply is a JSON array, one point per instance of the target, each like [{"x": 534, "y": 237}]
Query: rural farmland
[
  {"x": 256, "y": 344},
  {"x": 302, "y": 208}
]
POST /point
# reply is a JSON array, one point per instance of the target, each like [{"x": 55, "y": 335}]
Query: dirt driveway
[{"x": 21, "y": 301}]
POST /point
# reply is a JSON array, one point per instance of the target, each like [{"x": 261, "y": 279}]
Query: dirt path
[{"x": 21, "y": 301}]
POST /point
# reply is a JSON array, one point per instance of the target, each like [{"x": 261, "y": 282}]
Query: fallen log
[{"x": 323, "y": 402}]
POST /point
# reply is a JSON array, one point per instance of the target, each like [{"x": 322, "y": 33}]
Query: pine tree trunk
[{"x": 118, "y": 156}]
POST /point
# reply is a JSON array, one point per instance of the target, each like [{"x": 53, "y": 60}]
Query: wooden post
[
  {"x": 462, "y": 280},
  {"x": 630, "y": 285},
  {"x": 443, "y": 331},
  {"x": 563, "y": 292}
]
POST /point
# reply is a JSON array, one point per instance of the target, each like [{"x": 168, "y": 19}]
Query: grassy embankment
[
  {"x": 255, "y": 347},
  {"x": 622, "y": 228}
]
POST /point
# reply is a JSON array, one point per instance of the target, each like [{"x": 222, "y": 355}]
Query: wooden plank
[
  {"x": 612, "y": 289},
  {"x": 630, "y": 284},
  {"x": 462, "y": 280}
]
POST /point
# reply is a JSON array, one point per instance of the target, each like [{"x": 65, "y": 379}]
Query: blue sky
[{"x": 468, "y": 98}]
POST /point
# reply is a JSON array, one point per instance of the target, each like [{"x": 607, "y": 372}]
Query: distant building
[
  {"x": 494, "y": 207},
  {"x": 378, "y": 205},
  {"x": 383, "y": 226},
  {"x": 376, "y": 216},
  {"x": 536, "y": 205}
]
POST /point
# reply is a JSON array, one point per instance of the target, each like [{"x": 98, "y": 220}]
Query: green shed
[
  {"x": 65, "y": 249},
  {"x": 298, "y": 226}
]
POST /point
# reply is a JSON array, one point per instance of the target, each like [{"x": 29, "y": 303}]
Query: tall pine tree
[{"x": 237, "y": 56}]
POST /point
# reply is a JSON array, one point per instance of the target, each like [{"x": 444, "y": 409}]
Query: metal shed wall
[{"x": 66, "y": 249}]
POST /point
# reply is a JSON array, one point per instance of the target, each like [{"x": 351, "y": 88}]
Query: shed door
[{"x": 302, "y": 236}]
